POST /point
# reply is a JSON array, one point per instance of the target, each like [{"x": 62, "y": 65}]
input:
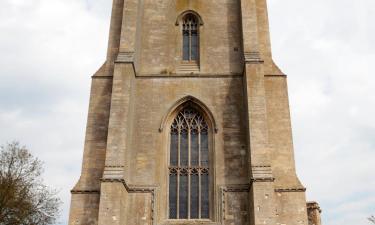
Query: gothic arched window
[
  {"x": 189, "y": 166},
  {"x": 190, "y": 33}
]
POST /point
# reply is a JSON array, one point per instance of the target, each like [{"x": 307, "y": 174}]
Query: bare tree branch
[
  {"x": 24, "y": 199},
  {"x": 372, "y": 219}
]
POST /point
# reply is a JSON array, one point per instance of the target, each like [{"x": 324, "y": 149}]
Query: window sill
[
  {"x": 189, "y": 222},
  {"x": 188, "y": 67}
]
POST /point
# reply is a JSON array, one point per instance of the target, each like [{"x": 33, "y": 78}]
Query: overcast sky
[{"x": 50, "y": 48}]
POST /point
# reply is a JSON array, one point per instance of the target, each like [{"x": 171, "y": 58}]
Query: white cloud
[
  {"x": 325, "y": 48},
  {"x": 50, "y": 48}
]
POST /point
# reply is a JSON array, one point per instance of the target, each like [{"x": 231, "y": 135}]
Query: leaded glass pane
[
  {"x": 194, "y": 197},
  {"x": 190, "y": 38},
  {"x": 186, "y": 44},
  {"x": 183, "y": 197},
  {"x": 174, "y": 149},
  {"x": 194, "y": 46},
  {"x": 204, "y": 148},
  {"x": 173, "y": 196},
  {"x": 194, "y": 148},
  {"x": 184, "y": 151},
  {"x": 205, "y": 196},
  {"x": 189, "y": 181}
]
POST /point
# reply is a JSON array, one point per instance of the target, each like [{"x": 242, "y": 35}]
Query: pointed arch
[
  {"x": 196, "y": 103},
  {"x": 183, "y": 14},
  {"x": 191, "y": 160}
]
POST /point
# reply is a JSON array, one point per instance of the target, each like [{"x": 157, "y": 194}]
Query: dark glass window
[
  {"x": 194, "y": 148},
  {"x": 205, "y": 193},
  {"x": 173, "y": 196},
  {"x": 194, "y": 198},
  {"x": 184, "y": 151},
  {"x": 186, "y": 46},
  {"x": 194, "y": 46},
  {"x": 189, "y": 166},
  {"x": 204, "y": 148},
  {"x": 183, "y": 196},
  {"x": 190, "y": 38},
  {"x": 174, "y": 148}
]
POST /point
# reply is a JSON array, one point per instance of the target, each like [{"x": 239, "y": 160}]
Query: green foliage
[{"x": 24, "y": 199}]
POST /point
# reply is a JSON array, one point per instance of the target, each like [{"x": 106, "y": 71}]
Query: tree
[
  {"x": 372, "y": 219},
  {"x": 24, "y": 199}
]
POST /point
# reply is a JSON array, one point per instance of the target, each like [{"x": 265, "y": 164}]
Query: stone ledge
[
  {"x": 188, "y": 75},
  {"x": 290, "y": 189},
  {"x": 263, "y": 179},
  {"x": 253, "y": 58},
  {"x": 236, "y": 188},
  {"x": 189, "y": 222},
  {"x": 262, "y": 173},
  {"x": 85, "y": 192},
  {"x": 125, "y": 57}
]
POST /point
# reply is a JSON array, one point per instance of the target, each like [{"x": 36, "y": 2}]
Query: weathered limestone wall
[
  {"x": 238, "y": 86},
  {"x": 140, "y": 209},
  {"x": 113, "y": 203},
  {"x": 85, "y": 195},
  {"x": 153, "y": 99},
  {"x": 96, "y": 135},
  {"x": 84, "y": 209},
  {"x": 220, "y": 36},
  {"x": 291, "y": 207},
  {"x": 280, "y": 133},
  {"x": 235, "y": 209},
  {"x": 290, "y": 194}
]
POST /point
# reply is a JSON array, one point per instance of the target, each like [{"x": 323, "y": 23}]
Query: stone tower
[{"x": 189, "y": 121}]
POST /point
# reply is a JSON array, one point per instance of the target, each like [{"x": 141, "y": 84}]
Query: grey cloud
[
  {"x": 325, "y": 48},
  {"x": 49, "y": 49}
]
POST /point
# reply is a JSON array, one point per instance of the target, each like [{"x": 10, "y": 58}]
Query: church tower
[{"x": 189, "y": 121}]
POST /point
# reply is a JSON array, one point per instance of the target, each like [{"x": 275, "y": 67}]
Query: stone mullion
[
  {"x": 189, "y": 170},
  {"x": 183, "y": 41},
  {"x": 178, "y": 174},
  {"x": 184, "y": 124},
  {"x": 199, "y": 172},
  {"x": 190, "y": 35}
]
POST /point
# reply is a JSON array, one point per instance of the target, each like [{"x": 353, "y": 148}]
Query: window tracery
[
  {"x": 190, "y": 38},
  {"x": 189, "y": 166}
]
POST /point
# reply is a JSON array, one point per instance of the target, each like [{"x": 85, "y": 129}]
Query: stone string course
[{"x": 238, "y": 88}]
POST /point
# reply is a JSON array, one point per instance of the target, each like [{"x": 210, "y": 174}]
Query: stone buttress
[{"x": 236, "y": 86}]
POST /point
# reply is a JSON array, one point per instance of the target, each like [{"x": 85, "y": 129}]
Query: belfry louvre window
[
  {"x": 189, "y": 166},
  {"x": 190, "y": 38}
]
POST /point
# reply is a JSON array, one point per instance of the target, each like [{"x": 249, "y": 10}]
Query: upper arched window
[
  {"x": 189, "y": 168},
  {"x": 190, "y": 33}
]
